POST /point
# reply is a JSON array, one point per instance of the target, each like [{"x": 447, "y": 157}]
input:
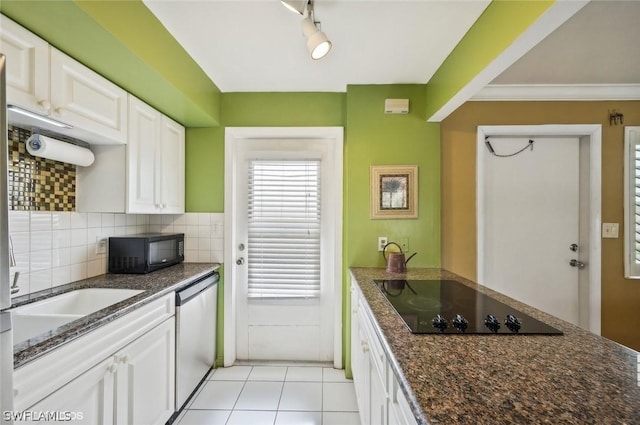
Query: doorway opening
[
  {"x": 273, "y": 311},
  {"x": 513, "y": 269}
]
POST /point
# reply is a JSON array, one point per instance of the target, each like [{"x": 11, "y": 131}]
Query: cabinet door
[
  {"x": 87, "y": 100},
  {"x": 89, "y": 399},
  {"x": 378, "y": 398},
  {"x": 172, "y": 169},
  {"x": 362, "y": 385},
  {"x": 142, "y": 157},
  {"x": 146, "y": 378},
  {"x": 359, "y": 359},
  {"x": 27, "y": 67}
]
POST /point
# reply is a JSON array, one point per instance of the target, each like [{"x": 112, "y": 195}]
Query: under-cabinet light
[{"x": 38, "y": 117}]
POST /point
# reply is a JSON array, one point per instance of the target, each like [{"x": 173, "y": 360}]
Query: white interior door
[
  {"x": 530, "y": 218},
  {"x": 285, "y": 302}
]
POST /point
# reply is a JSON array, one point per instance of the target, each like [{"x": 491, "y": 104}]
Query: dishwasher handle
[{"x": 193, "y": 289}]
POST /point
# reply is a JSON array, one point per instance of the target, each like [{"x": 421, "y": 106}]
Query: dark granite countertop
[
  {"x": 154, "y": 285},
  {"x": 575, "y": 378}
]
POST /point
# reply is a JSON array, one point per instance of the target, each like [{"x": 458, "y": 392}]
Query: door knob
[
  {"x": 240, "y": 261},
  {"x": 576, "y": 263},
  {"x": 573, "y": 247}
]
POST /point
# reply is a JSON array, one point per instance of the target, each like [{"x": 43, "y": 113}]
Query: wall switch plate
[
  {"x": 382, "y": 241},
  {"x": 609, "y": 230},
  {"x": 101, "y": 246}
]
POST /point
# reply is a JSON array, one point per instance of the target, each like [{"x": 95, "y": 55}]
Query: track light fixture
[
  {"x": 317, "y": 42},
  {"x": 296, "y": 6}
]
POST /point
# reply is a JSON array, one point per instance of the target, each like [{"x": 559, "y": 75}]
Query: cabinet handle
[
  {"x": 59, "y": 110},
  {"x": 113, "y": 368},
  {"x": 124, "y": 359},
  {"x": 45, "y": 104},
  {"x": 365, "y": 346}
]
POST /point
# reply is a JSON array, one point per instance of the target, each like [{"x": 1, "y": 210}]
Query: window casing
[{"x": 632, "y": 203}]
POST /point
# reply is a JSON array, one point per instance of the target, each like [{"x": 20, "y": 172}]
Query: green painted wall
[
  {"x": 502, "y": 22},
  {"x": 283, "y": 109},
  {"x": 374, "y": 138},
  {"x": 204, "y": 156},
  {"x": 204, "y": 170},
  {"x": 124, "y": 41}
]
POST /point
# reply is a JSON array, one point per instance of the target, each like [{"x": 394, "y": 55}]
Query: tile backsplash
[
  {"x": 203, "y": 234},
  {"x": 59, "y": 247},
  {"x": 38, "y": 184}
]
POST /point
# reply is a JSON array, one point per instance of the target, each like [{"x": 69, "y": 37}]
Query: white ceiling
[{"x": 258, "y": 46}]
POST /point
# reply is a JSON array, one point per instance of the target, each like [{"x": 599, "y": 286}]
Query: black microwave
[{"x": 145, "y": 253}]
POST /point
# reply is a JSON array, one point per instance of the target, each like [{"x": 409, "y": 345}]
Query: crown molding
[{"x": 575, "y": 92}]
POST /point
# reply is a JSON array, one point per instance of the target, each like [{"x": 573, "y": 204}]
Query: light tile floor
[{"x": 273, "y": 395}]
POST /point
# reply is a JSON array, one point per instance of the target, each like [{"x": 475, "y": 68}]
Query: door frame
[
  {"x": 590, "y": 137},
  {"x": 334, "y": 136}
]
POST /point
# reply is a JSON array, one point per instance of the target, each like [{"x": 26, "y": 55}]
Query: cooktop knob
[
  {"x": 440, "y": 323},
  {"x": 460, "y": 323},
  {"x": 492, "y": 323},
  {"x": 513, "y": 323}
]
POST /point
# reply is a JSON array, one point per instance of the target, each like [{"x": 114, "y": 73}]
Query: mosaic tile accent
[{"x": 38, "y": 184}]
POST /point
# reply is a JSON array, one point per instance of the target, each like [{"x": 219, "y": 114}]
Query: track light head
[{"x": 317, "y": 41}]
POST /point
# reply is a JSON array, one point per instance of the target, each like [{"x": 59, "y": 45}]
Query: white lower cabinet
[
  {"x": 359, "y": 361},
  {"x": 88, "y": 399},
  {"x": 380, "y": 399},
  {"x": 146, "y": 378},
  {"x": 122, "y": 373},
  {"x": 134, "y": 386}
]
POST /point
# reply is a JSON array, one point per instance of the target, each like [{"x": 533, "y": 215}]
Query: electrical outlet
[
  {"x": 404, "y": 244},
  {"x": 382, "y": 241},
  {"x": 101, "y": 245}
]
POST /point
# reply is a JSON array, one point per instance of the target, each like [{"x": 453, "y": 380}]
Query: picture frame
[{"x": 394, "y": 191}]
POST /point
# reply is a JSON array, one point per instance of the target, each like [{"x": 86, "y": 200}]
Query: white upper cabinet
[
  {"x": 82, "y": 98},
  {"x": 172, "y": 167},
  {"x": 144, "y": 177},
  {"x": 142, "y": 156},
  {"x": 43, "y": 80},
  {"x": 155, "y": 162},
  {"x": 27, "y": 67}
]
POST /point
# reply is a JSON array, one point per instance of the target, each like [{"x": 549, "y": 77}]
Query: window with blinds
[
  {"x": 284, "y": 229},
  {"x": 632, "y": 202}
]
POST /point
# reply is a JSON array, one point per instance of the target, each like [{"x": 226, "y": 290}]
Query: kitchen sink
[{"x": 42, "y": 316}]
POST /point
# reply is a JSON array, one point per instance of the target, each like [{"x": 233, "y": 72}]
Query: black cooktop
[{"x": 449, "y": 307}]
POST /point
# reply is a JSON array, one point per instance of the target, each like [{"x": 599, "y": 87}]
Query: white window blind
[
  {"x": 632, "y": 202},
  {"x": 284, "y": 229},
  {"x": 636, "y": 202}
]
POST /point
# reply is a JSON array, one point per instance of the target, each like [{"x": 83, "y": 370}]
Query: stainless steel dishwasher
[{"x": 195, "y": 335}]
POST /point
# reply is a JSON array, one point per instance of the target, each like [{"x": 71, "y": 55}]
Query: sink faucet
[{"x": 12, "y": 263}]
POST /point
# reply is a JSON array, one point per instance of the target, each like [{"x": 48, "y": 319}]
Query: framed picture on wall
[{"x": 394, "y": 191}]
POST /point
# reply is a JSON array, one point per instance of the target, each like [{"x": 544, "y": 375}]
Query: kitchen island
[{"x": 574, "y": 378}]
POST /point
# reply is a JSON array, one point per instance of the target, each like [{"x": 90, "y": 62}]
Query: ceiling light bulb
[
  {"x": 296, "y": 6},
  {"x": 318, "y": 45},
  {"x": 317, "y": 41}
]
